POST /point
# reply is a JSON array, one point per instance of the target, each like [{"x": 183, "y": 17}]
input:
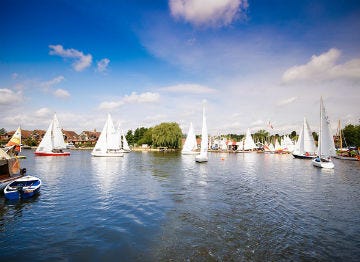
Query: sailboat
[
  {"x": 305, "y": 146},
  {"x": 13, "y": 147},
  {"x": 53, "y": 142},
  {"x": 123, "y": 142},
  {"x": 204, "y": 141},
  {"x": 108, "y": 144},
  {"x": 190, "y": 145},
  {"x": 326, "y": 146}
]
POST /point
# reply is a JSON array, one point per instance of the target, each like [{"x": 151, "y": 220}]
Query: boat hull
[
  {"x": 98, "y": 154},
  {"x": 201, "y": 159},
  {"x": 51, "y": 154},
  {"x": 303, "y": 156},
  {"x": 22, "y": 188},
  {"x": 322, "y": 164}
]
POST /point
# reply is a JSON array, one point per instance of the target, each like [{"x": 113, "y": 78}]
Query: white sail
[
  {"x": 125, "y": 144},
  {"x": 204, "y": 141},
  {"x": 249, "y": 142},
  {"x": 190, "y": 144},
  {"x": 53, "y": 138},
  {"x": 326, "y": 146},
  {"x": 305, "y": 143},
  {"x": 108, "y": 143}
]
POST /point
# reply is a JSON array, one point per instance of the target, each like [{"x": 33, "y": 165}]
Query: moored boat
[{"x": 24, "y": 187}]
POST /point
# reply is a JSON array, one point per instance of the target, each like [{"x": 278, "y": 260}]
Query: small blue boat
[{"x": 24, "y": 187}]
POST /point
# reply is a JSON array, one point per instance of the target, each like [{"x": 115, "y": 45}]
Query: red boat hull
[{"x": 52, "y": 154}]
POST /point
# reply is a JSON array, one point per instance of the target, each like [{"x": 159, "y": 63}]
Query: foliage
[
  {"x": 235, "y": 137},
  {"x": 146, "y": 138},
  {"x": 315, "y": 136},
  {"x": 167, "y": 135},
  {"x": 352, "y": 135},
  {"x": 261, "y": 135},
  {"x": 129, "y": 137},
  {"x": 2, "y": 131},
  {"x": 292, "y": 135},
  {"x": 30, "y": 142}
]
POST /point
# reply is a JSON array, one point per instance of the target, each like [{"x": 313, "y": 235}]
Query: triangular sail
[
  {"x": 53, "y": 138},
  {"x": 109, "y": 139},
  {"x": 326, "y": 147},
  {"x": 15, "y": 140},
  {"x": 249, "y": 143},
  {"x": 190, "y": 142}
]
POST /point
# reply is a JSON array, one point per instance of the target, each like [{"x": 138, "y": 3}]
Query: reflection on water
[{"x": 150, "y": 206}]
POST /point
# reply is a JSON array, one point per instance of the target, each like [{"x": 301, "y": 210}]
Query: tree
[
  {"x": 146, "y": 138},
  {"x": 2, "y": 131},
  {"x": 261, "y": 135},
  {"x": 129, "y": 137},
  {"x": 167, "y": 135},
  {"x": 138, "y": 134},
  {"x": 315, "y": 136},
  {"x": 292, "y": 135},
  {"x": 352, "y": 135}
]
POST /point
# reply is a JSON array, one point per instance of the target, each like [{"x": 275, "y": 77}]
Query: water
[{"x": 165, "y": 207}]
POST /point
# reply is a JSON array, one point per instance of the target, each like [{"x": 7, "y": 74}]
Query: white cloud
[
  {"x": 108, "y": 105},
  {"x": 61, "y": 93},
  {"x": 324, "y": 67},
  {"x": 208, "y": 12},
  {"x": 147, "y": 97},
  {"x": 133, "y": 98},
  {"x": 82, "y": 61},
  {"x": 189, "y": 88},
  {"x": 42, "y": 112},
  {"x": 48, "y": 84},
  {"x": 9, "y": 97},
  {"x": 103, "y": 64},
  {"x": 287, "y": 101}
]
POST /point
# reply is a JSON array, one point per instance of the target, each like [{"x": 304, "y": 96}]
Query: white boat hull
[
  {"x": 323, "y": 164},
  {"x": 112, "y": 154},
  {"x": 201, "y": 159}
]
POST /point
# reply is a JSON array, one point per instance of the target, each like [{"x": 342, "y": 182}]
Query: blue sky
[{"x": 148, "y": 62}]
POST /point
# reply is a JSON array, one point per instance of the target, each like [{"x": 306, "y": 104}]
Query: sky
[{"x": 250, "y": 62}]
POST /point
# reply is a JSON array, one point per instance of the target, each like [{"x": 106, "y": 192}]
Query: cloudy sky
[{"x": 148, "y": 62}]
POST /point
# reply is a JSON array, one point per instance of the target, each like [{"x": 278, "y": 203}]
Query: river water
[{"x": 153, "y": 206}]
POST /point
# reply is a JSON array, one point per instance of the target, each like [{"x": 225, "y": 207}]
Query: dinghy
[
  {"x": 108, "y": 144},
  {"x": 305, "y": 146},
  {"x": 53, "y": 142},
  {"x": 24, "y": 187}
]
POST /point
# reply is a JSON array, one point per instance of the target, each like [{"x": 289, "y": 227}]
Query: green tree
[
  {"x": 129, "y": 137},
  {"x": 138, "y": 134},
  {"x": 2, "y": 131},
  {"x": 167, "y": 134},
  {"x": 352, "y": 135},
  {"x": 146, "y": 138},
  {"x": 261, "y": 135},
  {"x": 315, "y": 136},
  {"x": 292, "y": 135}
]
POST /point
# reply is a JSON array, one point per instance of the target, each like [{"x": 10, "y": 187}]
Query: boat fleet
[{"x": 112, "y": 143}]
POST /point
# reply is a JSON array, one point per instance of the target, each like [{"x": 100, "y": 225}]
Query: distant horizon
[{"x": 254, "y": 62}]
